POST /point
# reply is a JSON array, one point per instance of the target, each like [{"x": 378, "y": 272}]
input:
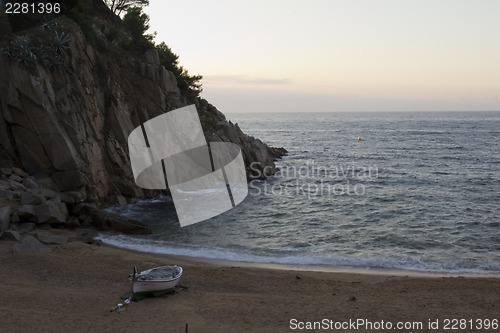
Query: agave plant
[
  {"x": 21, "y": 42},
  {"x": 20, "y": 50},
  {"x": 50, "y": 59},
  {"x": 55, "y": 62},
  {"x": 49, "y": 23},
  {"x": 27, "y": 59},
  {"x": 9, "y": 53},
  {"x": 44, "y": 54},
  {"x": 61, "y": 43}
]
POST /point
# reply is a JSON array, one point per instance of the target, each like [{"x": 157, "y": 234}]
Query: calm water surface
[{"x": 420, "y": 191}]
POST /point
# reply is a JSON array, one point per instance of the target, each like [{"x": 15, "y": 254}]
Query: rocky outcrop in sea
[{"x": 70, "y": 94}]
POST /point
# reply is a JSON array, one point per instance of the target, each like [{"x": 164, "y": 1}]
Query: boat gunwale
[{"x": 159, "y": 280}]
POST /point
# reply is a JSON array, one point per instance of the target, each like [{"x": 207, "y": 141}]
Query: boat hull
[
  {"x": 151, "y": 286},
  {"x": 155, "y": 285}
]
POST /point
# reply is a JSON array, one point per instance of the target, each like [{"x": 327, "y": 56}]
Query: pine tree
[{"x": 119, "y": 6}]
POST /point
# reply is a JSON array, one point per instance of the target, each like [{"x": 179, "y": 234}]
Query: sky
[{"x": 332, "y": 55}]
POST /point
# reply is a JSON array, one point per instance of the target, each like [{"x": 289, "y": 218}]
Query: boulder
[
  {"x": 6, "y": 171},
  {"x": 118, "y": 200},
  {"x": 49, "y": 194},
  {"x": 278, "y": 153},
  {"x": 30, "y": 183},
  {"x": 31, "y": 199},
  {"x": 25, "y": 228},
  {"x": 6, "y": 194},
  {"x": 14, "y": 218},
  {"x": 4, "y": 218},
  {"x": 19, "y": 172},
  {"x": 67, "y": 199},
  {"x": 4, "y": 185},
  {"x": 77, "y": 196},
  {"x": 73, "y": 222},
  {"x": 30, "y": 245},
  {"x": 104, "y": 220},
  {"x": 86, "y": 221},
  {"x": 97, "y": 242},
  {"x": 51, "y": 212},
  {"x": 16, "y": 178},
  {"x": 16, "y": 186},
  {"x": 12, "y": 235},
  {"x": 86, "y": 240},
  {"x": 26, "y": 213},
  {"x": 49, "y": 238}
]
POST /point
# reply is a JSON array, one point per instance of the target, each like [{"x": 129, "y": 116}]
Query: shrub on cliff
[
  {"x": 20, "y": 50},
  {"x": 119, "y": 6},
  {"x": 137, "y": 23},
  {"x": 185, "y": 81}
]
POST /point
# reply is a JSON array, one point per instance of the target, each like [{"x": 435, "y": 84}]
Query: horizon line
[{"x": 365, "y": 111}]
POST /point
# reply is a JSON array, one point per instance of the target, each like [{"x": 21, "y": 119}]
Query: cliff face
[{"x": 66, "y": 122}]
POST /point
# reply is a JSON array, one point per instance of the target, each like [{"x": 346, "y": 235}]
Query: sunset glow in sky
[{"x": 329, "y": 55}]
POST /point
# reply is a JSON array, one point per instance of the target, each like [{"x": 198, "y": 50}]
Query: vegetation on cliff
[
  {"x": 118, "y": 6},
  {"x": 73, "y": 86}
]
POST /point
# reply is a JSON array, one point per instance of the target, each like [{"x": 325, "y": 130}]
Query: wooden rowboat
[{"x": 155, "y": 279}]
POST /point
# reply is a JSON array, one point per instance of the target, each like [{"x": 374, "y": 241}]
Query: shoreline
[
  {"x": 73, "y": 287},
  {"x": 313, "y": 267}
]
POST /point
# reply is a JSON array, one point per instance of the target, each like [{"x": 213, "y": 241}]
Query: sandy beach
[{"x": 73, "y": 288}]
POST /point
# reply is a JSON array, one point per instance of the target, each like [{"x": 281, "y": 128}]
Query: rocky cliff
[{"x": 70, "y": 94}]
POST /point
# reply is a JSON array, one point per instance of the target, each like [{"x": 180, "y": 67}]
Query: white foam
[{"x": 160, "y": 247}]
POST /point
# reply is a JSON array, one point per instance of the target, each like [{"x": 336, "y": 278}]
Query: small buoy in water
[{"x": 359, "y": 138}]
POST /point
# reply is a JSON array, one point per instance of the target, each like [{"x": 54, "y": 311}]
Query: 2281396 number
[
  {"x": 470, "y": 324},
  {"x": 32, "y": 8}
]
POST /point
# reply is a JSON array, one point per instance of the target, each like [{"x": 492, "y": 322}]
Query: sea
[{"x": 409, "y": 191}]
